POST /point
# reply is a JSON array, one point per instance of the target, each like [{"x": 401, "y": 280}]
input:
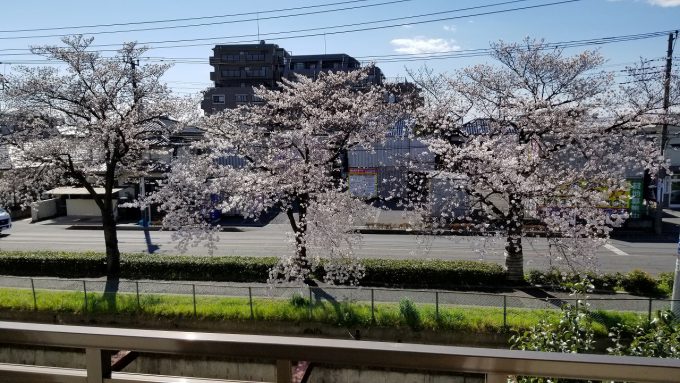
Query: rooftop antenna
[
  {"x": 324, "y": 43},
  {"x": 258, "y": 26}
]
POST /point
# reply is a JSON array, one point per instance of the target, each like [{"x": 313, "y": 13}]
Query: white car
[{"x": 5, "y": 220}]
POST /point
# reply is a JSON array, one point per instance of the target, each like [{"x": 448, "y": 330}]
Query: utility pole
[
  {"x": 675, "y": 297},
  {"x": 661, "y": 174}
]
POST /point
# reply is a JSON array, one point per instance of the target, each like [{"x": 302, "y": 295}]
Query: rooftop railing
[{"x": 496, "y": 364}]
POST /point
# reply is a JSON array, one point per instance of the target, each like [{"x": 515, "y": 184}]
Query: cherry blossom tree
[
  {"x": 86, "y": 122},
  {"x": 285, "y": 153},
  {"x": 543, "y": 138}
]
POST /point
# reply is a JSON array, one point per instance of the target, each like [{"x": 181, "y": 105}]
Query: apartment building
[{"x": 240, "y": 67}]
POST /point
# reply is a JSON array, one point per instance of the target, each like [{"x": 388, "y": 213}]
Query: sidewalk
[{"x": 380, "y": 222}]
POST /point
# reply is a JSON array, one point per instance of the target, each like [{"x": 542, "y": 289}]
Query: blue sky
[{"x": 576, "y": 20}]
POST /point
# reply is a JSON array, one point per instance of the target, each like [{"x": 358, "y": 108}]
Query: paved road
[{"x": 272, "y": 240}]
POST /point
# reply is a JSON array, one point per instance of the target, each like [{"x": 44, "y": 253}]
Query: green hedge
[
  {"x": 52, "y": 264},
  {"x": 432, "y": 273},
  {"x": 635, "y": 282},
  {"x": 379, "y": 272}
]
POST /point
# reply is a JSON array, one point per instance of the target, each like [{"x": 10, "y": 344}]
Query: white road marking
[{"x": 615, "y": 249}]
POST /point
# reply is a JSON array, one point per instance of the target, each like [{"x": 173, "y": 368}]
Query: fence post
[
  {"x": 250, "y": 301},
  {"x": 284, "y": 371},
  {"x": 97, "y": 364},
  {"x": 309, "y": 307},
  {"x": 139, "y": 306},
  {"x": 35, "y": 301},
  {"x": 436, "y": 306},
  {"x": 85, "y": 294},
  {"x": 193, "y": 291},
  {"x": 373, "y": 306},
  {"x": 649, "y": 310},
  {"x": 505, "y": 311}
]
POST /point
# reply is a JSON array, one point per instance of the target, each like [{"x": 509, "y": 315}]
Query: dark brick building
[{"x": 240, "y": 67}]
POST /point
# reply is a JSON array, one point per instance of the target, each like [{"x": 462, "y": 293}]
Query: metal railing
[{"x": 497, "y": 365}]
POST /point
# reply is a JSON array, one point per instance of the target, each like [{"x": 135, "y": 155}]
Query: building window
[
  {"x": 255, "y": 57},
  {"x": 218, "y": 99},
  {"x": 241, "y": 98},
  {"x": 231, "y": 58},
  {"x": 311, "y": 65},
  {"x": 255, "y": 72},
  {"x": 257, "y": 98},
  {"x": 299, "y": 66},
  {"x": 231, "y": 73}
]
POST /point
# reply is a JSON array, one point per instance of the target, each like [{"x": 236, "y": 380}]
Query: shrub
[
  {"x": 432, "y": 274},
  {"x": 657, "y": 339},
  {"x": 379, "y": 272},
  {"x": 196, "y": 268},
  {"x": 665, "y": 282},
  {"x": 297, "y": 300},
  {"x": 554, "y": 278},
  {"x": 638, "y": 282},
  {"x": 53, "y": 263},
  {"x": 136, "y": 266},
  {"x": 409, "y": 312}
]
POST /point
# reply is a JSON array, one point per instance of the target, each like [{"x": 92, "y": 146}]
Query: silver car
[{"x": 5, "y": 220}]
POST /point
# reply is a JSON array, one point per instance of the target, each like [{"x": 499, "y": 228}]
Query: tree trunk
[
  {"x": 300, "y": 231},
  {"x": 514, "y": 256},
  {"x": 111, "y": 240}
]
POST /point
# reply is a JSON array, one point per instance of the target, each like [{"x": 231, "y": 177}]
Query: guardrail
[{"x": 496, "y": 364}]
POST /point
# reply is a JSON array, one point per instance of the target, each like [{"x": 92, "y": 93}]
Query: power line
[
  {"x": 337, "y": 26},
  {"x": 182, "y": 19},
  {"x": 419, "y": 57},
  {"x": 214, "y": 23}
]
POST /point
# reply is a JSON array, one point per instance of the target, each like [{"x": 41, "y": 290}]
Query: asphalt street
[{"x": 271, "y": 240}]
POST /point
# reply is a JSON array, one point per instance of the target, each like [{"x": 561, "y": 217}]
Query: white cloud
[
  {"x": 417, "y": 45},
  {"x": 407, "y": 26},
  {"x": 665, "y": 3},
  {"x": 450, "y": 28}
]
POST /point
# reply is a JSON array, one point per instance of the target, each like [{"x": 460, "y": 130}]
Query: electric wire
[{"x": 327, "y": 27}]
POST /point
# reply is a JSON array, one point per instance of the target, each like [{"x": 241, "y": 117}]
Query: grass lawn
[{"x": 207, "y": 307}]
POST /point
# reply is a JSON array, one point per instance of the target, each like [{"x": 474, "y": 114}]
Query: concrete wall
[
  {"x": 43, "y": 209},
  {"x": 85, "y": 208},
  {"x": 324, "y": 374},
  {"x": 213, "y": 368},
  {"x": 245, "y": 369},
  {"x": 53, "y": 357}
]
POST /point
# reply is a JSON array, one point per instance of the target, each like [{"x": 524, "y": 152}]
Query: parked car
[{"x": 5, "y": 220}]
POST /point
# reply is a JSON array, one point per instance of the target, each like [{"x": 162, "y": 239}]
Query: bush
[
  {"x": 195, "y": 268},
  {"x": 297, "y": 300},
  {"x": 409, "y": 312},
  {"x": 136, "y": 266},
  {"x": 52, "y": 263},
  {"x": 379, "y": 272},
  {"x": 665, "y": 282},
  {"x": 557, "y": 279},
  {"x": 638, "y": 282},
  {"x": 432, "y": 274}
]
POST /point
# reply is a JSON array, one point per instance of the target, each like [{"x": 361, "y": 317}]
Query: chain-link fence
[{"x": 336, "y": 304}]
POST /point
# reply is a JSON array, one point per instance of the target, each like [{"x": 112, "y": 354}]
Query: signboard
[
  {"x": 363, "y": 182},
  {"x": 635, "y": 201}
]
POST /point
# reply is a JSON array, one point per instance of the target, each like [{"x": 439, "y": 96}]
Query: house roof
[{"x": 69, "y": 190}]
